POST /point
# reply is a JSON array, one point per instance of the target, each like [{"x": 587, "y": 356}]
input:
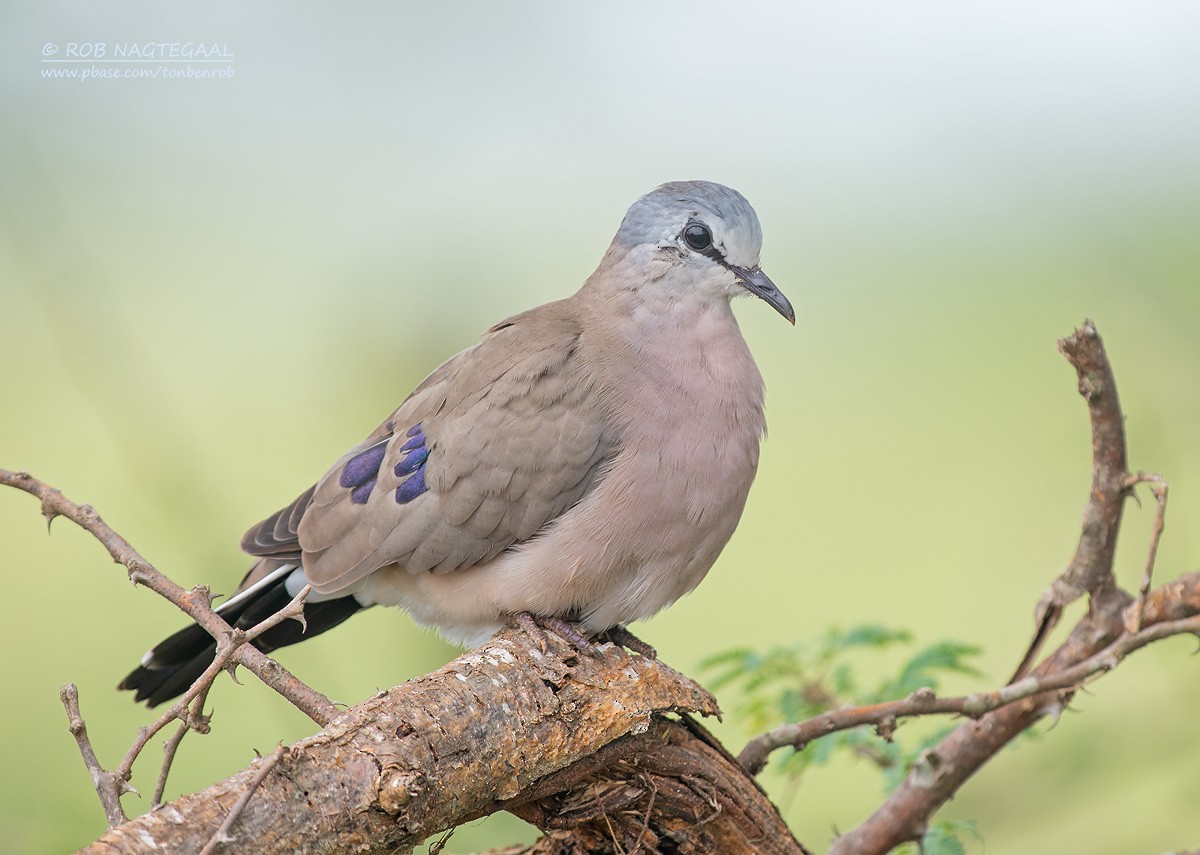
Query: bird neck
[{"x": 673, "y": 353}]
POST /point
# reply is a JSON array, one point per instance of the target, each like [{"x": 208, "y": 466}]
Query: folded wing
[{"x": 496, "y": 443}]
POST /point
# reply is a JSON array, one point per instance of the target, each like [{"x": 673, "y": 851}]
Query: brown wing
[
  {"x": 278, "y": 535},
  {"x": 494, "y": 444}
]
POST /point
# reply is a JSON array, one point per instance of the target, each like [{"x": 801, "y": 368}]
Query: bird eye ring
[{"x": 697, "y": 236}]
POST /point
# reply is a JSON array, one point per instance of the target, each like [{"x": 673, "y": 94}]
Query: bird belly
[{"x": 628, "y": 549}]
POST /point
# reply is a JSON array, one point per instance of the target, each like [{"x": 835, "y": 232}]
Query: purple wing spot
[
  {"x": 363, "y": 467},
  {"x": 412, "y": 461},
  {"x": 413, "y": 465},
  {"x": 362, "y": 492},
  {"x": 413, "y": 487}
]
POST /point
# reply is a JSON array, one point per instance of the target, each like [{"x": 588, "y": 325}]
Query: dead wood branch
[
  {"x": 1155, "y": 626},
  {"x": 1090, "y": 568},
  {"x": 1100, "y": 636},
  {"x": 109, "y": 787},
  {"x": 480, "y": 735},
  {"x": 194, "y": 603},
  {"x": 671, "y": 789}
]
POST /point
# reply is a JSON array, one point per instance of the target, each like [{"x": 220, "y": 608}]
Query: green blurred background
[{"x": 209, "y": 288}]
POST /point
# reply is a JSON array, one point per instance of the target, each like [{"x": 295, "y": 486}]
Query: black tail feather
[{"x": 175, "y": 663}]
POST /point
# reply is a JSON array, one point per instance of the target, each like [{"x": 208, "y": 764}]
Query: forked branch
[{"x": 1097, "y": 643}]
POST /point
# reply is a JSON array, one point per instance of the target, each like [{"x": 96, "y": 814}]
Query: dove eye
[{"x": 697, "y": 236}]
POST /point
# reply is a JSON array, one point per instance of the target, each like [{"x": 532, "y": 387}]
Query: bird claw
[
  {"x": 529, "y": 625},
  {"x": 622, "y": 637},
  {"x": 535, "y": 627}
]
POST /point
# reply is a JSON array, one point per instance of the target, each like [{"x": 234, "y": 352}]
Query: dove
[{"x": 578, "y": 469}]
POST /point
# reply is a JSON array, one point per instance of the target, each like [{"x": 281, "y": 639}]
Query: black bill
[{"x": 758, "y": 284}]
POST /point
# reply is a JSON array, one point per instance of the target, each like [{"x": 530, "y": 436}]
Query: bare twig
[
  {"x": 194, "y": 603},
  {"x": 1096, "y": 644},
  {"x": 440, "y": 846},
  {"x": 169, "y": 749},
  {"x": 905, "y": 813},
  {"x": 109, "y": 786},
  {"x": 1159, "y": 489},
  {"x": 227, "y": 648},
  {"x": 649, "y": 783},
  {"x": 924, "y": 702},
  {"x": 232, "y": 649},
  {"x": 193, "y": 718},
  {"x": 1091, "y": 566},
  {"x": 221, "y": 835}
]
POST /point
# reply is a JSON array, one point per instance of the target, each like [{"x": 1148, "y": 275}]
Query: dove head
[{"x": 702, "y": 236}]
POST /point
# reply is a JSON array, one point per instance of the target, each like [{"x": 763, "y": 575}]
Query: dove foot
[
  {"x": 535, "y": 627},
  {"x": 622, "y": 637}
]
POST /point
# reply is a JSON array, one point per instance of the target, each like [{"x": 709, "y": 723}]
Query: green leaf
[
  {"x": 801, "y": 681},
  {"x": 866, "y": 635},
  {"x": 735, "y": 656},
  {"x": 923, "y": 668}
]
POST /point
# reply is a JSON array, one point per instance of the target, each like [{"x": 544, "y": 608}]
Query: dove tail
[{"x": 174, "y": 663}]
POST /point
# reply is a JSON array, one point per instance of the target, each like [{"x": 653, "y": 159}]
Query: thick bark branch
[
  {"x": 671, "y": 789},
  {"x": 465, "y": 741},
  {"x": 479, "y": 735}
]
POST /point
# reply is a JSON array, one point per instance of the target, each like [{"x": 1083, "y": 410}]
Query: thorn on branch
[{"x": 886, "y": 729}]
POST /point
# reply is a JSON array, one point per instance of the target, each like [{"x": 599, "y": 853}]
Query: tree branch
[
  {"x": 1159, "y": 489},
  {"x": 503, "y": 727},
  {"x": 942, "y": 770},
  {"x": 924, "y": 702},
  {"x": 904, "y": 815},
  {"x": 221, "y": 835},
  {"x": 1090, "y": 568},
  {"x": 672, "y": 789},
  {"x": 227, "y": 648},
  {"x": 194, "y": 603},
  {"x": 483, "y": 734},
  {"x": 109, "y": 787}
]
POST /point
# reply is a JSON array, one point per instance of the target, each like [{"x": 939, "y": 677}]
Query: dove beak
[{"x": 758, "y": 284}]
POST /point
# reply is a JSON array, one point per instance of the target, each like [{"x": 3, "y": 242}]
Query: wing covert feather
[{"x": 508, "y": 436}]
